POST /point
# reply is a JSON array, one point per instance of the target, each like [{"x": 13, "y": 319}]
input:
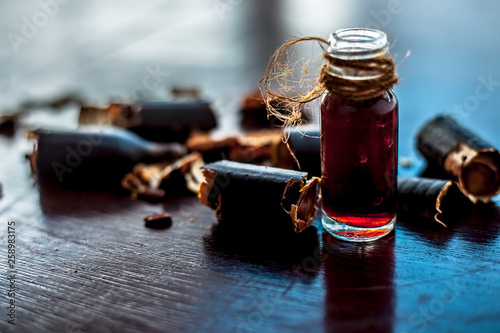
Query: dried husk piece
[
  {"x": 153, "y": 181},
  {"x": 258, "y": 147}
]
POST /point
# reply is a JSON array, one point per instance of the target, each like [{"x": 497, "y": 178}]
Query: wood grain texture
[{"x": 86, "y": 263}]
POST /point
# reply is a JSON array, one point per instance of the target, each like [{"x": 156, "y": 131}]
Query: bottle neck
[
  {"x": 353, "y": 54},
  {"x": 359, "y": 64}
]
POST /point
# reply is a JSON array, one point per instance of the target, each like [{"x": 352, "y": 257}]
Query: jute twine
[{"x": 288, "y": 108}]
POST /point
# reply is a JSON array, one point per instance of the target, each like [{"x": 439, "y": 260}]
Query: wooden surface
[{"x": 86, "y": 263}]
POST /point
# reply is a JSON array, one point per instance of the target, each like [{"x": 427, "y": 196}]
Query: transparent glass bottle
[{"x": 359, "y": 146}]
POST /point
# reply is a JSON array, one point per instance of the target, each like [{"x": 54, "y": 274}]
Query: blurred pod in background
[{"x": 172, "y": 121}]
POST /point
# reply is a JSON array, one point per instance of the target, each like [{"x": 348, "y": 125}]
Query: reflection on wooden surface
[{"x": 359, "y": 282}]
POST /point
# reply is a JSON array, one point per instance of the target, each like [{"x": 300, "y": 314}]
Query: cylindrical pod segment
[
  {"x": 259, "y": 196},
  {"x": 95, "y": 156},
  {"x": 172, "y": 121},
  {"x": 429, "y": 198},
  {"x": 469, "y": 160}
]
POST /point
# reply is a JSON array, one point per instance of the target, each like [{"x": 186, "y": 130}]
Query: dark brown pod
[
  {"x": 431, "y": 198},
  {"x": 259, "y": 197},
  {"x": 305, "y": 143},
  {"x": 95, "y": 157},
  {"x": 172, "y": 121},
  {"x": 466, "y": 158}
]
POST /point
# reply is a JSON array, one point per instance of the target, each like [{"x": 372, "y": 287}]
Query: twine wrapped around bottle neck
[
  {"x": 359, "y": 89},
  {"x": 356, "y": 89}
]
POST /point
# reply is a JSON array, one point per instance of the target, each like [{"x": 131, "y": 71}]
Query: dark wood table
[{"x": 86, "y": 263}]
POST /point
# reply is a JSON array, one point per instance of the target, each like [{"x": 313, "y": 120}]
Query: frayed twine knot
[{"x": 288, "y": 109}]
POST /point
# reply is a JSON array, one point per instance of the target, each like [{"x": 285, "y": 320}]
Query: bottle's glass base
[{"x": 355, "y": 234}]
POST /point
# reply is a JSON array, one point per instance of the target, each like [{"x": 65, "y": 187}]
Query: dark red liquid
[{"x": 359, "y": 149}]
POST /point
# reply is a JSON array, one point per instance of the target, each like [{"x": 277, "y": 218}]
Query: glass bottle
[{"x": 359, "y": 146}]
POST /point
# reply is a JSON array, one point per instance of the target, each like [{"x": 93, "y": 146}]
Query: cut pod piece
[
  {"x": 93, "y": 157},
  {"x": 469, "y": 160},
  {"x": 259, "y": 196},
  {"x": 166, "y": 121},
  {"x": 431, "y": 198}
]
